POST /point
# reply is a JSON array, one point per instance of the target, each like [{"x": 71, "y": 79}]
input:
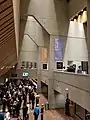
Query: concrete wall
[
  {"x": 44, "y": 76},
  {"x": 35, "y": 31},
  {"x": 32, "y": 73},
  {"x": 76, "y": 46},
  {"x": 59, "y": 97},
  {"x": 16, "y": 9},
  {"x": 44, "y": 89},
  {"x": 75, "y": 6},
  {"x": 28, "y": 50},
  {"x": 78, "y": 85},
  {"x": 34, "y": 37},
  {"x": 51, "y": 14},
  {"x": 59, "y": 100}
]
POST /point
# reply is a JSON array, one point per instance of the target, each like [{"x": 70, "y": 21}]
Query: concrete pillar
[
  {"x": 51, "y": 95},
  {"x": 39, "y": 69},
  {"x": 59, "y": 100},
  {"x": 88, "y": 33},
  {"x": 44, "y": 89}
]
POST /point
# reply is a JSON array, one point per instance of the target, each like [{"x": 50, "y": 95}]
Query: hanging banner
[
  {"x": 58, "y": 50},
  {"x": 44, "y": 54}
]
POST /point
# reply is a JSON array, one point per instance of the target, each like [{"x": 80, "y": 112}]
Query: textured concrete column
[
  {"x": 39, "y": 69},
  {"x": 88, "y": 33},
  {"x": 51, "y": 97}
]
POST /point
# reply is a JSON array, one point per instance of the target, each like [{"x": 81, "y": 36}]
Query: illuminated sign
[{"x": 25, "y": 74}]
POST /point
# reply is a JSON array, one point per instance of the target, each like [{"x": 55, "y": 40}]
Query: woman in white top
[{"x": 7, "y": 115}]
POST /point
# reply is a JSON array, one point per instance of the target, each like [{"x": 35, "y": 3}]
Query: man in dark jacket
[
  {"x": 25, "y": 109},
  {"x": 1, "y": 115},
  {"x": 33, "y": 99}
]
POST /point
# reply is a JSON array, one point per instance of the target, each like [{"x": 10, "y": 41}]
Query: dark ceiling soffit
[
  {"x": 9, "y": 26},
  {"x": 7, "y": 39},
  {"x": 1, "y": 62},
  {"x": 5, "y": 25},
  {"x": 7, "y": 35},
  {"x": 6, "y": 15},
  {"x": 6, "y": 12},
  {"x": 2, "y": 1},
  {"x": 7, "y": 31},
  {"x": 5, "y": 18},
  {"x": 5, "y": 9},
  {"x": 9, "y": 18}
]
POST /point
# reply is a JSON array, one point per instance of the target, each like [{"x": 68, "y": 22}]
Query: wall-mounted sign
[
  {"x": 44, "y": 54},
  {"x": 25, "y": 74},
  {"x": 58, "y": 50}
]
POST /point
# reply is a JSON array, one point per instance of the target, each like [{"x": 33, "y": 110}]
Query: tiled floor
[{"x": 51, "y": 114}]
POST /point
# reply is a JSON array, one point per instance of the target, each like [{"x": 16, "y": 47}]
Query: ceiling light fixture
[{"x": 2, "y": 67}]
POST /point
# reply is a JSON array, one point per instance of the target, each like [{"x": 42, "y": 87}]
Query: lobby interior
[{"x": 48, "y": 40}]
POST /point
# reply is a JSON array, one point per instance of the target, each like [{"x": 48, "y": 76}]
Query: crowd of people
[{"x": 16, "y": 95}]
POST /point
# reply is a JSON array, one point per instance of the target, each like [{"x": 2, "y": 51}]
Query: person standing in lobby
[
  {"x": 1, "y": 115},
  {"x": 36, "y": 112},
  {"x": 42, "y": 111}
]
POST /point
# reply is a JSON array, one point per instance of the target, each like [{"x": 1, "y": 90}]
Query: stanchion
[{"x": 47, "y": 106}]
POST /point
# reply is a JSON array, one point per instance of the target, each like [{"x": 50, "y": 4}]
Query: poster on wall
[
  {"x": 58, "y": 50},
  {"x": 44, "y": 54}
]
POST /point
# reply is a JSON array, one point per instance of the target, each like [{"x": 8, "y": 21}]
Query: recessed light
[
  {"x": 66, "y": 89},
  {"x": 2, "y": 67},
  {"x": 82, "y": 10}
]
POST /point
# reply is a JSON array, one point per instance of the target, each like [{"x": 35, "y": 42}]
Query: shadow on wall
[
  {"x": 23, "y": 17},
  {"x": 44, "y": 90},
  {"x": 59, "y": 100},
  {"x": 62, "y": 21},
  {"x": 85, "y": 30},
  {"x": 61, "y": 17},
  {"x": 46, "y": 40}
]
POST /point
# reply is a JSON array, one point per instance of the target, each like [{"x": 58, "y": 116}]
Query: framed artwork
[{"x": 59, "y": 65}]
